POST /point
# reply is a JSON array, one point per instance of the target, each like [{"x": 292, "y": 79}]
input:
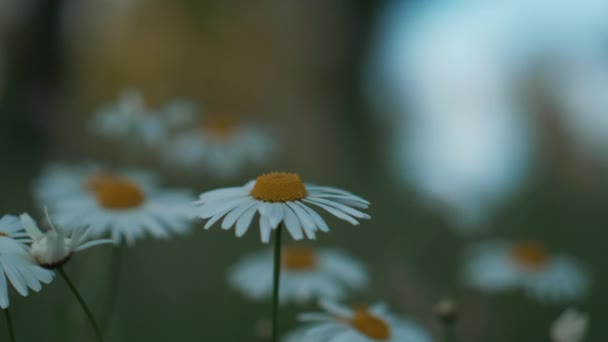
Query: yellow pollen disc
[
  {"x": 116, "y": 193},
  {"x": 96, "y": 180},
  {"x": 530, "y": 255},
  {"x": 220, "y": 128},
  {"x": 370, "y": 325},
  {"x": 298, "y": 258},
  {"x": 279, "y": 187},
  {"x": 3, "y": 234}
]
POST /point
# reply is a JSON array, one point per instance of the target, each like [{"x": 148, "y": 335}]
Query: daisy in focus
[
  {"x": 278, "y": 197},
  {"x": 497, "y": 266},
  {"x": 571, "y": 326},
  {"x": 342, "y": 323},
  {"x": 127, "y": 205},
  {"x": 221, "y": 146},
  {"x": 306, "y": 274},
  {"x": 53, "y": 248},
  {"x": 16, "y": 262}
]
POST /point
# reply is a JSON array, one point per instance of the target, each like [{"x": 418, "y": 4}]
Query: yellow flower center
[
  {"x": 220, "y": 128},
  {"x": 95, "y": 181},
  {"x": 370, "y": 325},
  {"x": 530, "y": 255},
  {"x": 3, "y": 234},
  {"x": 114, "y": 192},
  {"x": 279, "y": 187},
  {"x": 298, "y": 258}
]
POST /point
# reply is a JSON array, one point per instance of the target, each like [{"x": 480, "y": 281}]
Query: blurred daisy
[
  {"x": 222, "y": 146},
  {"x": 16, "y": 263},
  {"x": 128, "y": 120},
  {"x": 306, "y": 274},
  {"x": 497, "y": 266},
  {"x": 461, "y": 137},
  {"x": 126, "y": 205},
  {"x": 53, "y": 248},
  {"x": 341, "y": 323},
  {"x": 278, "y": 197},
  {"x": 571, "y": 326}
]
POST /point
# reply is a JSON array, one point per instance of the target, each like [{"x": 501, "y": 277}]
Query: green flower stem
[
  {"x": 114, "y": 284},
  {"x": 82, "y": 303},
  {"x": 9, "y": 323},
  {"x": 450, "y": 334},
  {"x": 276, "y": 283}
]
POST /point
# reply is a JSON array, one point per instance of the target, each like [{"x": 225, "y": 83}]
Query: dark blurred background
[{"x": 306, "y": 69}]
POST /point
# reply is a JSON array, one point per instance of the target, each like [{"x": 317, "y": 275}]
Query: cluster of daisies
[
  {"x": 183, "y": 138},
  {"x": 91, "y": 204}
]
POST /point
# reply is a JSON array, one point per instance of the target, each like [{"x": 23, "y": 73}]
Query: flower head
[
  {"x": 278, "y": 197},
  {"x": 127, "y": 205},
  {"x": 221, "y": 146},
  {"x": 128, "y": 120},
  {"x": 360, "y": 324},
  {"x": 16, "y": 262},
  {"x": 571, "y": 326},
  {"x": 497, "y": 265},
  {"x": 306, "y": 274},
  {"x": 53, "y": 248}
]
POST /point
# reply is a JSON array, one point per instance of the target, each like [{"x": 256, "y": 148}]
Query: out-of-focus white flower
[
  {"x": 464, "y": 142},
  {"x": 306, "y": 274},
  {"x": 127, "y": 205},
  {"x": 571, "y": 326},
  {"x": 222, "y": 147},
  {"x": 279, "y": 197},
  {"x": 129, "y": 121},
  {"x": 16, "y": 262},
  {"x": 580, "y": 83},
  {"x": 496, "y": 266},
  {"x": 457, "y": 74},
  {"x": 341, "y": 323},
  {"x": 53, "y": 248}
]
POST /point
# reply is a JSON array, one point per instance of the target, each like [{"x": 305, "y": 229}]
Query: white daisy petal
[
  {"x": 342, "y": 207},
  {"x": 265, "y": 229},
  {"x": 4, "y": 301},
  {"x": 242, "y": 225},
  {"x": 234, "y": 215},
  {"x": 319, "y": 221},
  {"x": 336, "y": 212},
  {"x": 292, "y": 223}
]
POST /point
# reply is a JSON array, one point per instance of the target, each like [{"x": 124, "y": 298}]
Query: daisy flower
[
  {"x": 16, "y": 263},
  {"x": 497, "y": 265},
  {"x": 221, "y": 146},
  {"x": 55, "y": 247},
  {"x": 571, "y": 326},
  {"x": 341, "y": 323},
  {"x": 306, "y": 274},
  {"x": 129, "y": 120},
  {"x": 127, "y": 205},
  {"x": 278, "y": 197}
]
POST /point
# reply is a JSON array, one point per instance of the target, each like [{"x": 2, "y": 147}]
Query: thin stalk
[
  {"x": 114, "y": 284},
  {"x": 9, "y": 322},
  {"x": 276, "y": 283},
  {"x": 82, "y": 303},
  {"x": 449, "y": 333}
]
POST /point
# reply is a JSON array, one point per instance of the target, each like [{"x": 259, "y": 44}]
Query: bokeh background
[{"x": 346, "y": 87}]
